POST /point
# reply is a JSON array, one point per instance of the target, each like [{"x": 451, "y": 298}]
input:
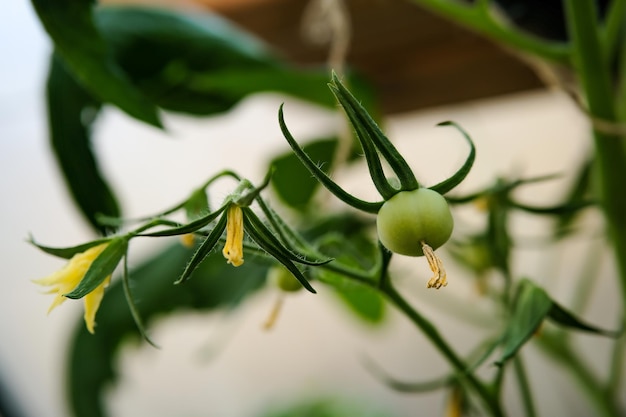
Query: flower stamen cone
[
  {"x": 439, "y": 278},
  {"x": 233, "y": 248},
  {"x": 67, "y": 279}
]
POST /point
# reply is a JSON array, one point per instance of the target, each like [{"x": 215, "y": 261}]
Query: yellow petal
[
  {"x": 233, "y": 248},
  {"x": 92, "y": 303}
]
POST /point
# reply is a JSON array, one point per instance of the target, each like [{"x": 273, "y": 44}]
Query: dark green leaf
[
  {"x": 358, "y": 252},
  {"x": 93, "y": 358},
  {"x": 458, "y": 177},
  {"x": 71, "y": 113},
  {"x": 101, "y": 268},
  {"x": 564, "y": 318},
  {"x": 197, "y": 205},
  {"x": 77, "y": 40},
  {"x": 532, "y": 306},
  {"x": 198, "y": 63},
  {"x": 293, "y": 183}
]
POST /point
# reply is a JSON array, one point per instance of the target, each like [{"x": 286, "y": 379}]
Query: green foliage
[
  {"x": 292, "y": 182},
  {"x": 532, "y": 306},
  {"x": 71, "y": 113},
  {"x": 354, "y": 251},
  {"x": 78, "y": 41},
  {"x": 91, "y": 366}
]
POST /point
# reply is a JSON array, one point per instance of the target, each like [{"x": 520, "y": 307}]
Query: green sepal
[
  {"x": 321, "y": 176},
  {"x": 79, "y": 42},
  {"x": 279, "y": 252},
  {"x": 447, "y": 185},
  {"x": 132, "y": 305},
  {"x": 290, "y": 237},
  {"x": 101, "y": 267},
  {"x": 263, "y": 232},
  {"x": 532, "y": 306},
  {"x": 203, "y": 250},
  {"x": 372, "y": 158},
  {"x": 191, "y": 227},
  {"x": 67, "y": 253},
  {"x": 363, "y": 119}
]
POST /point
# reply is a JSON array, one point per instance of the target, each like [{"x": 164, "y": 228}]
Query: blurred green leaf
[
  {"x": 532, "y": 306},
  {"x": 329, "y": 408},
  {"x": 91, "y": 366},
  {"x": 292, "y": 182},
  {"x": 81, "y": 46},
  {"x": 198, "y": 63},
  {"x": 356, "y": 251},
  {"x": 71, "y": 113}
]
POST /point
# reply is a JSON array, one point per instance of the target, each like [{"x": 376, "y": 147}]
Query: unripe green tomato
[
  {"x": 410, "y": 217},
  {"x": 283, "y": 279}
]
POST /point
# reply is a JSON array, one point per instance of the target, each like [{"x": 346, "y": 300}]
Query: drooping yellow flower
[
  {"x": 233, "y": 248},
  {"x": 66, "y": 279},
  {"x": 188, "y": 240}
]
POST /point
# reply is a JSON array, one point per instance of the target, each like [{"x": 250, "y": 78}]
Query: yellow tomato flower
[
  {"x": 233, "y": 248},
  {"x": 188, "y": 240},
  {"x": 66, "y": 279}
]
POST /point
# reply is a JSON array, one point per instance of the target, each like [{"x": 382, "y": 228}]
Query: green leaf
[
  {"x": 82, "y": 48},
  {"x": 197, "y": 205},
  {"x": 532, "y": 306},
  {"x": 458, "y": 177},
  {"x": 102, "y": 267},
  {"x": 71, "y": 113},
  {"x": 357, "y": 252},
  {"x": 91, "y": 368},
  {"x": 564, "y": 318},
  {"x": 198, "y": 63},
  {"x": 292, "y": 182}
]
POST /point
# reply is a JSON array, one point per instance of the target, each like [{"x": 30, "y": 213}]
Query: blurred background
[{"x": 224, "y": 364}]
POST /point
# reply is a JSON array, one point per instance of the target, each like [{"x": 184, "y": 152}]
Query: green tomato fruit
[
  {"x": 411, "y": 217},
  {"x": 283, "y": 279}
]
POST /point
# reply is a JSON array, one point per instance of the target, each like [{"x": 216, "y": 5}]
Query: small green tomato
[
  {"x": 411, "y": 218},
  {"x": 283, "y": 279}
]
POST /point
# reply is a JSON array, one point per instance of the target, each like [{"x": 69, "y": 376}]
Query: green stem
[
  {"x": 524, "y": 386},
  {"x": 595, "y": 80},
  {"x": 478, "y": 20},
  {"x": 489, "y": 400}
]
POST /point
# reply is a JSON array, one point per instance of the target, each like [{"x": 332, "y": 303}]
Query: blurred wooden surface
[{"x": 413, "y": 58}]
